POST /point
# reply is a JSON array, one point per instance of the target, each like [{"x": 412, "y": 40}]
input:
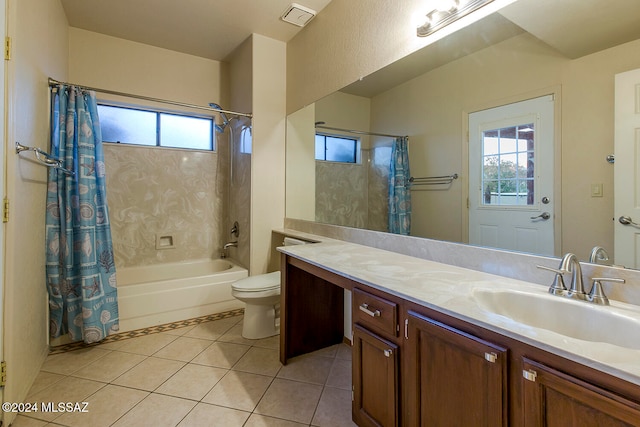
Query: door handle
[
  {"x": 543, "y": 215},
  {"x": 626, "y": 220}
]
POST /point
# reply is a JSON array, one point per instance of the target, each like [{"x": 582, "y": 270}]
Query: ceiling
[{"x": 206, "y": 28}]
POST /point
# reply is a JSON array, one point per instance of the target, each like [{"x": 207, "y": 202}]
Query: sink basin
[{"x": 575, "y": 319}]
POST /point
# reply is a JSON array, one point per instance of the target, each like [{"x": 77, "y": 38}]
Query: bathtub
[{"x": 155, "y": 294}]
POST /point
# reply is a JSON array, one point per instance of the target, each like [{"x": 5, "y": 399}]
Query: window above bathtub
[
  {"x": 137, "y": 126},
  {"x": 337, "y": 148}
]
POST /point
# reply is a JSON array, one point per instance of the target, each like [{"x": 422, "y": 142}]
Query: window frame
[
  {"x": 357, "y": 149},
  {"x": 158, "y": 112}
]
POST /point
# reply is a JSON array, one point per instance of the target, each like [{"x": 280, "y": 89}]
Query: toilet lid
[{"x": 261, "y": 282}]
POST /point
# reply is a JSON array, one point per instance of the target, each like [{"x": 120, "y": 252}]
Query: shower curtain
[
  {"x": 80, "y": 269},
  {"x": 399, "y": 194}
]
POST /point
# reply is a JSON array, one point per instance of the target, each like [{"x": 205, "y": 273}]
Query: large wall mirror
[{"x": 566, "y": 52}]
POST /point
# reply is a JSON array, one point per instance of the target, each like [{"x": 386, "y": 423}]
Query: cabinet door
[
  {"x": 552, "y": 398},
  {"x": 375, "y": 379},
  {"x": 454, "y": 378}
]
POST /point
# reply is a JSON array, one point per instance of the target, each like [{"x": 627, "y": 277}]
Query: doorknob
[
  {"x": 625, "y": 220},
  {"x": 543, "y": 215}
]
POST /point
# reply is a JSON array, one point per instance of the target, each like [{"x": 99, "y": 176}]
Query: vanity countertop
[{"x": 448, "y": 289}]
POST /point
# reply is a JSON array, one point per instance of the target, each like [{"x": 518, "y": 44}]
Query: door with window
[
  {"x": 511, "y": 176},
  {"x": 627, "y": 168}
]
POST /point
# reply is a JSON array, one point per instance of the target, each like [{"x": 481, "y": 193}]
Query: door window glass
[{"x": 508, "y": 166}]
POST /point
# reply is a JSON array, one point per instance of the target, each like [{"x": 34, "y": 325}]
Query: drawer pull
[
  {"x": 365, "y": 307},
  {"x": 530, "y": 375}
]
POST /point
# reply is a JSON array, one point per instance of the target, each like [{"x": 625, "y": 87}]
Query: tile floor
[{"x": 197, "y": 375}]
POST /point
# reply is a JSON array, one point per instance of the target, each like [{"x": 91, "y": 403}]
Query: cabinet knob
[
  {"x": 388, "y": 352},
  {"x": 491, "y": 357}
]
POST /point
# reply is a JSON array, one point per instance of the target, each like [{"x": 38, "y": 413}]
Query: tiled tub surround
[
  {"x": 354, "y": 195},
  {"x": 156, "y": 192},
  {"x": 448, "y": 289}
]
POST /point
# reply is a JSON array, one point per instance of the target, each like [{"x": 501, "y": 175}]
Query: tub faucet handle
[{"x": 235, "y": 230}]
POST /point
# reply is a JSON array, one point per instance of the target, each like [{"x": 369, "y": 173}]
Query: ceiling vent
[{"x": 298, "y": 15}]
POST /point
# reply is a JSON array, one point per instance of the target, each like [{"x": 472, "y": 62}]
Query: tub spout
[{"x": 230, "y": 244}]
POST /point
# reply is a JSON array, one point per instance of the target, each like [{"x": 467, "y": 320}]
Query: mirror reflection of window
[{"x": 334, "y": 148}]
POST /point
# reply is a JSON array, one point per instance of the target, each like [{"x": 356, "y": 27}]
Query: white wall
[
  {"x": 268, "y": 158},
  {"x": 40, "y": 46}
]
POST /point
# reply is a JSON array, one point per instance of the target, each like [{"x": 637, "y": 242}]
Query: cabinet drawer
[{"x": 375, "y": 312}]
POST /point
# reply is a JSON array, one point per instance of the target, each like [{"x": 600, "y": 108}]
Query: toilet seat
[{"x": 259, "y": 283}]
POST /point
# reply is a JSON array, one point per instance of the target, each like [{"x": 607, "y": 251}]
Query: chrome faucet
[
  {"x": 570, "y": 264},
  {"x": 598, "y": 254},
  {"x": 229, "y": 245}
]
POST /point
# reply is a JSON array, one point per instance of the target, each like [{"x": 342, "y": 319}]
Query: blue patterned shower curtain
[
  {"x": 81, "y": 274},
  {"x": 399, "y": 194}
]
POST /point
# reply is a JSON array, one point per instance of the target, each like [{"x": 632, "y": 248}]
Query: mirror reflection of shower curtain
[
  {"x": 80, "y": 267},
  {"x": 399, "y": 193}
]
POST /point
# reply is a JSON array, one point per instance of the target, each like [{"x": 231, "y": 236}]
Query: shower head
[{"x": 225, "y": 120}]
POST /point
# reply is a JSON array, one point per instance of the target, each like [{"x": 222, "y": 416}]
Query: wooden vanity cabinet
[
  {"x": 554, "y": 398},
  {"x": 452, "y": 377},
  {"x": 416, "y": 366},
  {"x": 375, "y": 359}
]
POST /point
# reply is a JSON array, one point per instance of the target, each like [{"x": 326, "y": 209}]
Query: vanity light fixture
[{"x": 447, "y": 12}]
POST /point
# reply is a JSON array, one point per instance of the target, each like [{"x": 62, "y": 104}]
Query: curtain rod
[
  {"x": 53, "y": 83},
  {"x": 320, "y": 126}
]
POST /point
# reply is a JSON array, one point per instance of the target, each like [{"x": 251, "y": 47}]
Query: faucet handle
[
  {"x": 557, "y": 286},
  {"x": 596, "y": 295}
]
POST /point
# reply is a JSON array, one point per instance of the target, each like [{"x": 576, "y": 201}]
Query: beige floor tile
[
  {"x": 340, "y": 375},
  {"x": 192, "y": 381},
  {"x": 157, "y": 410},
  {"x": 105, "y": 407},
  {"x": 334, "y": 409},
  {"x": 42, "y": 381},
  {"x": 23, "y": 421},
  {"x": 204, "y": 415},
  {"x": 344, "y": 352},
  {"x": 234, "y": 335},
  {"x": 212, "y": 330},
  {"x": 179, "y": 331},
  {"x": 256, "y": 420},
  {"x": 149, "y": 374},
  {"x": 109, "y": 367},
  {"x": 261, "y": 361},
  {"x": 221, "y": 354},
  {"x": 113, "y": 345},
  {"x": 290, "y": 400},
  {"x": 71, "y": 361},
  {"x": 309, "y": 369},
  {"x": 183, "y": 349},
  {"x": 239, "y": 390},
  {"x": 148, "y": 344},
  {"x": 269, "y": 342},
  {"x": 326, "y": 352},
  {"x": 69, "y": 389}
]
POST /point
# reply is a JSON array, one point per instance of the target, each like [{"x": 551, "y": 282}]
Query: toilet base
[{"x": 260, "y": 321}]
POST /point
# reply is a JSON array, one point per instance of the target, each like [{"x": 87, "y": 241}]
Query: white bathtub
[{"x": 156, "y": 294}]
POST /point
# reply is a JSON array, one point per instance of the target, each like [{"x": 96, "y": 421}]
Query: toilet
[{"x": 261, "y": 295}]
